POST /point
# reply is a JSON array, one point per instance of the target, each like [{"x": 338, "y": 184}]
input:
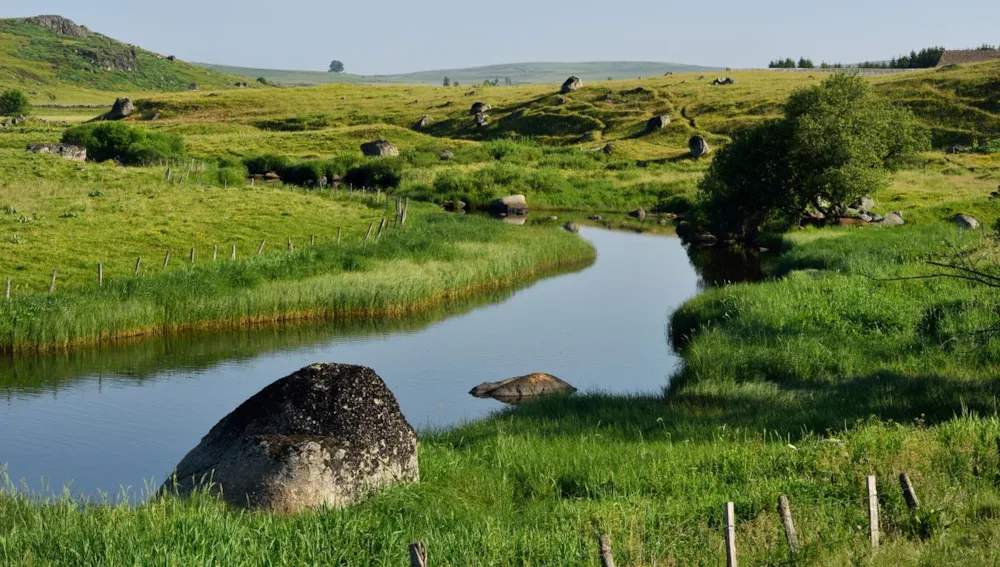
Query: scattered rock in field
[
  {"x": 698, "y": 146},
  {"x": 726, "y": 81},
  {"x": 452, "y": 206},
  {"x": 379, "y": 148},
  {"x": 595, "y": 218},
  {"x": 446, "y": 155},
  {"x": 893, "y": 219},
  {"x": 592, "y": 136},
  {"x": 519, "y": 113},
  {"x": 423, "y": 123},
  {"x": 192, "y": 86},
  {"x": 480, "y": 108},
  {"x": 573, "y": 227},
  {"x": 326, "y": 436},
  {"x": 958, "y": 149},
  {"x": 966, "y": 222},
  {"x": 447, "y": 104},
  {"x": 876, "y": 217},
  {"x": 171, "y": 58},
  {"x": 522, "y": 388},
  {"x": 553, "y": 218},
  {"x": 12, "y": 121},
  {"x": 639, "y": 213},
  {"x": 863, "y": 204},
  {"x": 65, "y": 151},
  {"x": 571, "y": 84},
  {"x": 123, "y": 108},
  {"x": 657, "y": 123},
  {"x": 608, "y": 149},
  {"x": 561, "y": 101},
  {"x": 482, "y": 120},
  {"x": 516, "y": 205}
]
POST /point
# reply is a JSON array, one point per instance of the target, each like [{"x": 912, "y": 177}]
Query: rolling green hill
[
  {"x": 519, "y": 73},
  {"x": 47, "y": 55}
]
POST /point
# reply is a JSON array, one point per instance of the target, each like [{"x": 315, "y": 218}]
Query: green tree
[
  {"x": 805, "y": 63},
  {"x": 447, "y": 82},
  {"x": 14, "y": 103},
  {"x": 336, "y": 67},
  {"x": 837, "y": 141}
]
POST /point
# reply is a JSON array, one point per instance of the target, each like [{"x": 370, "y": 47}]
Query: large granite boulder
[
  {"x": 480, "y": 108},
  {"x": 657, "y": 123},
  {"x": 326, "y": 436},
  {"x": 522, "y": 388},
  {"x": 893, "y": 219},
  {"x": 571, "y": 84},
  {"x": 424, "y": 122},
  {"x": 966, "y": 222},
  {"x": 65, "y": 151},
  {"x": 698, "y": 146},
  {"x": 123, "y": 108},
  {"x": 516, "y": 205},
  {"x": 379, "y": 148}
]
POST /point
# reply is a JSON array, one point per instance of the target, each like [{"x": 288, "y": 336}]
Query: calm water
[{"x": 123, "y": 416}]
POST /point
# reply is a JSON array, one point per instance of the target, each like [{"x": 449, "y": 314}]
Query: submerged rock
[
  {"x": 639, "y": 213},
  {"x": 522, "y": 388},
  {"x": 328, "y": 435},
  {"x": 512, "y": 205}
]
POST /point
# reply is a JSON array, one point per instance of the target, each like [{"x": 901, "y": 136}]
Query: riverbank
[{"x": 802, "y": 386}]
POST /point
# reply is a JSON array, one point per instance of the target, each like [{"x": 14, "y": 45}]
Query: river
[{"x": 120, "y": 417}]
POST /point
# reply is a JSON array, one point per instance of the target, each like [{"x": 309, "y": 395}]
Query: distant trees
[
  {"x": 986, "y": 47},
  {"x": 336, "y": 67},
  {"x": 805, "y": 63},
  {"x": 923, "y": 59},
  {"x": 788, "y": 63},
  {"x": 14, "y": 103},
  {"x": 447, "y": 82},
  {"x": 837, "y": 141}
]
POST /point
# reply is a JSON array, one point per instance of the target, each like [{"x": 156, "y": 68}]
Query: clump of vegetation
[
  {"x": 375, "y": 173},
  {"x": 14, "y": 102},
  {"x": 837, "y": 141},
  {"x": 128, "y": 145}
]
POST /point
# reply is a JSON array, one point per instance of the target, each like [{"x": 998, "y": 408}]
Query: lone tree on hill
[
  {"x": 447, "y": 82},
  {"x": 336, "y": 67},
  {"x": 838, "y": 141}
]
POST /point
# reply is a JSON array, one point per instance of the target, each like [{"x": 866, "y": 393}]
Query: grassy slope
[
  {"x": 519, "y": 73},
  {"x": 52, "y": 69}
]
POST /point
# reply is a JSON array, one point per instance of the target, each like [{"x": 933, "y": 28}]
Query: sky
[{"x": 397, "y": 36}]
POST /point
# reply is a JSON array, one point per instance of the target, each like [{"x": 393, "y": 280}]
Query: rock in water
[
  {"x": 522, "y": 388},
  {"x": 657, "y": 123},
  {"x": 328, "y": 435},
  {"x": 698, "y": 146},
  {"x": 571, "y": 84},
  {"x": 122, "y": 108},
  {"x": 966, "y": 222},
  {"x": 639, "y": 213},
  {"x": 513, "y": 205},
  {"x": 379, "y": 148},
  {"x": 66, "y": 151}
]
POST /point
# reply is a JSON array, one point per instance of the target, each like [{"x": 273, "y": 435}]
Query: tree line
[{"x": 925, "y": 58}]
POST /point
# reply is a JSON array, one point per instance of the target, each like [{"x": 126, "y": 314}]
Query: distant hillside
[
  {"x": 519, "y": 73},
  {"x": 50, "y": 52}
]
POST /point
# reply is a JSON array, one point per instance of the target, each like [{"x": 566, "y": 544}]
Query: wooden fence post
[
  {"x": 381, "y": 226},
  {"x": 52, "y": 286},
  {"x": 418, "y": 554},
  {"x": 908, "y": 493},
  {"x": 168, "y": 175},
  {"x": 607, "y": 558},
  {"x": 192, "y": 255},
  {"x": 406, "y": 210},
  {"x": 8, "y": 288},
  {"x": 312, "y": 240},
  {"x": 138, "y": 262},
  {"x": 260, "y": 248},
  {"x": 166, "y": 260},
  {"x": 100, "y": 273},
  {"x": 731, "y": 534},
  {"x": 371, "y": 225},
  {"x": 786, "y": 519},
  {"x": 233, "y": 255},
  {"x": 291, "y": 247},
  {"x": 873, "y": 512},
  {"x": 215, "y": 252},
  {"x": 340, "y": 230}
]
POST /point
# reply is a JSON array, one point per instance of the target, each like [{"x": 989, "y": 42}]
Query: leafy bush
[
  {"x": 260, "y": 165},
  {"x": 376, "y": 173},
  {"x": 837, "y": 141},
  {"x": 127, "y": 144},
  {"x": 14, "y": 103}
]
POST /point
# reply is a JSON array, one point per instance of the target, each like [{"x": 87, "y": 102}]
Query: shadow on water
[{"x": 720, "y": 266}]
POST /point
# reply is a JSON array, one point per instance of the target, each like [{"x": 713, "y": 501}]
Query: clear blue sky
[{"x": 392, "y": 36}]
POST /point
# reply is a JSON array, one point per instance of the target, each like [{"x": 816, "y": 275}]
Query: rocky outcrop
[
  {"x": 571, "y": 84},
  {"x": 65, "y": 151},
  {"x": 516, "y": 205},
  {"x": 59, "y": 25},
  {"x": 522, "y": 388},
  {"x": 966, "y": 222},
  {"x": 657, "y": 123},
  {"x": 480, "y": 108},
  {"x": 379, "y": 148},
  {"x": 698, "y": 146},
  {"x": 481, "y": 120},
  {"x": 121, "y": 109},
  {"x": 424, "y": 122},
  {"x": 326, "y": 436}
]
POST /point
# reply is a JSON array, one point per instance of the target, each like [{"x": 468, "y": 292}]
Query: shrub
[
  {"x": 127, "y": 144},
  {"x": 231, "y": 175},
  {"x": 837, "y": 141},
  {"x": 259, "y": 165},
  {"x": 304, "y": 173},
  {"x": 14, "y": 103},
  {"x": 376, "y": 173}
]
